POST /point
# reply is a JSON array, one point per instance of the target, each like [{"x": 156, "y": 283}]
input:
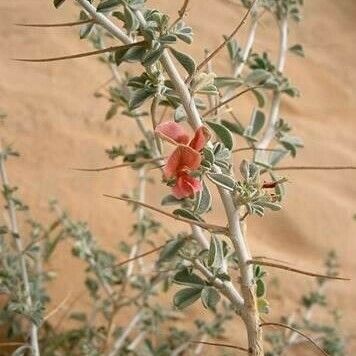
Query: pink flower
[
  {"x": 185, "y": 158},
  {"x": 186, "y": 186}
]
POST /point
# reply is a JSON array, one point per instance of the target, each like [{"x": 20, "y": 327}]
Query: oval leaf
[
  {"x": 185, "y": 60},
  {"x": 222, "y": 133},
  {"x": 210, "y": 297},
  {"x": 222, "y": 180},
  {"x": 186, "y": 297},
  {"x": 189, "y": 279}
]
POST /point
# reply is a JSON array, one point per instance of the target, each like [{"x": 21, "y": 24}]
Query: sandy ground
[{"x": 55, "y": 122}]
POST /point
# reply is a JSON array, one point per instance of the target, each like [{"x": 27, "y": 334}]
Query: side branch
[
  {"x": 206, "y": 226},
  {"x": 79, "y": 55},
  {"x": 140, "y": 256},
  {"x": 313, "y": 168},
  {"x": 63, "y": 24},
  {"x": 220, "y": 345},
  {"x": 298, "y": 332},
  {"x": 223, "y": 103},
  {"x": 181, "y": 12},
  {"x": 291, "y": 269},
  {"x": 122, "y": 165},
  {"x": 222, "y": 45}
]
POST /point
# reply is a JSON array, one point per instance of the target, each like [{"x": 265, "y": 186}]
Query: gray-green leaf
[
  {"x": 185, "y": 60},
  {"x": 186, "y": 297},
  {"x": 171, "y": 249},
  {"x": 222, "y": 133},
  {"x": 210, "y": 297},
  {"x": 188, "y": 279},
  {"x": 216, "y": 253},
  {"x": 203, "y": 200},
  {"x": 256, "y": 124},
  {"x": 222, "y": 180}
]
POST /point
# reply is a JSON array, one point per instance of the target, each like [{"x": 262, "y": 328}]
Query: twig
[
  {"x": 7, "y": 344},
  {"x": 222, "y": 103},
  {"x": 63, "y": 24},
  {"x": 181, "y": 13},
  {"x": 225, "y": 287},
  {"x": 140, "y": 256},
  {"x": 227, "y": 39},
  {"x": 200, "y": 345},
  {"x": 314, "y": 168},
  {"x": 215, "y": 228},
  {"x": 79, "y": 55},
  {"x": 297, "y": 331},
  {"x": 58, "y": 307},
  {"x": 255, "y": 149},
  {"x": 291, "y": 269},
  {"x": 121, "y": 165},
  {"x": 221, "y": 345},
  {"x": 157, "y": 159},
  {"x": 140, "y": 219}
]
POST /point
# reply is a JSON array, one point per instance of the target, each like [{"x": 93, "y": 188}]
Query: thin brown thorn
[
  {"x": 58, "y": 307},
  {"x": 255, "y": 149},
  {"x": 79, "y": 55},
  {"x": 269, "y": 258},
  {"x": 298, "y": 332},
  {"x": 221, "y": 46},
  {"x": 216, "y": 228},
  {"x": 64, "y": 24},
  {"x": 7, "y": 344},
  {"x": 314, "y": 168},
  {"x": 291, "y": 269},
  {"x": 220, "y": 345},
  {"x": 128, "y": 164},
  {"x": 229, "y": 100},
  {"x": 140, "y": 256}
]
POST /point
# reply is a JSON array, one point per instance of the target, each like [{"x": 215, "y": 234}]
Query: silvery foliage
[{"x": 116, "y": 284}]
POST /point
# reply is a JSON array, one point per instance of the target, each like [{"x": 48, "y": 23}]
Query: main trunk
[{"x": 250, "y": 316}]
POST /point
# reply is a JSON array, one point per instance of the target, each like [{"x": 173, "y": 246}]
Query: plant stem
[
  {"x": 250, "y": 314},
  {"x": 120, "y": 341},
  {"x": 140, "y": 216},
  {"x": 249, "y": 43},
  {"x": 276, "y": 99},
  {"x": 137, "y": 341},
  {"x": 225, "y": 287},
  {"x": 19, "y": 246}
]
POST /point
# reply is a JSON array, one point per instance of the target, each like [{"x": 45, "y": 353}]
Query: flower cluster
[{"x": 185, "y": 159}]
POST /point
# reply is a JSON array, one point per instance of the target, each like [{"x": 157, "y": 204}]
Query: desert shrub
[{"x": 172, "y": 100}]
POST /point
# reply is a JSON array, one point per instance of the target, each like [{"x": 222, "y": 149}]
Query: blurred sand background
[{"x": 56, "y": 124}]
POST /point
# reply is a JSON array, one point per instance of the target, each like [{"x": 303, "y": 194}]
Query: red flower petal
[
  {"x": 172, "y": 132},
  {"x": 186, "y": 186},
  {"x": 201, "y": 137},
  {"x": 183, "y": 158}
]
